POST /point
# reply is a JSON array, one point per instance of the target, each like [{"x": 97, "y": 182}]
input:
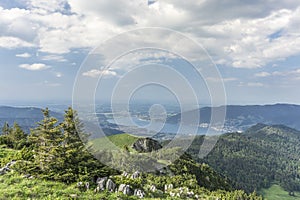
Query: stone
[
  {"x": 135, "y": 175},
  {"x": 125, "y": 174},
  {"x": 101, "y": 184},
  {"x": 152, "y": 188},
  {"x": 146, "y": 145},
  {"x": 127, "y": 190},
  {"x": 121, "y": 187},
  {"x": 168, "y": 187},
  {"x": 110, "y": 185},
  {"x": 139, "y": 193},
  {"x": 87, "y": 185}
]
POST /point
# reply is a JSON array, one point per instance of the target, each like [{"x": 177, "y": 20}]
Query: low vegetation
[{"x": 52, "y": 163}]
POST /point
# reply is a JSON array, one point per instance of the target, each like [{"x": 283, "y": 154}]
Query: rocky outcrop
[
  {"x": 110, "y": 185},
  {"x": 101, "y": 184},
  {"x": 139, "y": 193},
  {"x": 7, "y": 167},
  {"x": 145, "y": 145},
  {"x": 136, "y": 175},
  {"x": 83, "y": 186},
  {"x": 125, "y": 189}
]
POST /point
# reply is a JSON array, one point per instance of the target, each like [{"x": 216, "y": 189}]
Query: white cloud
[
  {"x": 237, "y": 35},
  {"x": 34, "y": 67},
  {"x": 13, "y": 42},
  {"x": 255, "y": 84},
  {"x": 263, "y": 74},
  {"x": 95, "y": 73},
  {"x": 58, "y": 58},
  {"x": 23, "y": 55},
  {"x": 218, "y": 80},
  {"x": 58, "y": 74}
]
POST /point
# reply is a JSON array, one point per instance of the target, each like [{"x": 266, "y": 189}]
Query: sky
[{"x": 45, "y": 49}]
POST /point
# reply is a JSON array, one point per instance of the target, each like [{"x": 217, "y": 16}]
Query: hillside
[
  {"x": 26, "y": 117},
  {"x": 258, "y": 157},
  {"x": 240, "y": 118},
  {"x": 54, "y": 164}
]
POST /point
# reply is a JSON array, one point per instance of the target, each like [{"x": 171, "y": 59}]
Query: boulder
[
  {"x": 152, "y": 188},
  {"x": 168, "y": 187},
  {"x": 101, "y": 183},
  {"x": 136, "y": 175},
  {"x": 121, "y": 187},
  {"x": 146, "y": 145},
  {"x": 127, "y": 190},
  {"x": 110, "y": 185},
  {"x": 139, "y": 193}
]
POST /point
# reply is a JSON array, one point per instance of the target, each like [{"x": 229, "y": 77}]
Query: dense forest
[
  {"x": 257, "y": 158},
  {"x": 53, "y": 156}
]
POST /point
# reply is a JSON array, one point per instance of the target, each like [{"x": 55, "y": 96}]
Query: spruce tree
[{"x": 47, "y": 139}]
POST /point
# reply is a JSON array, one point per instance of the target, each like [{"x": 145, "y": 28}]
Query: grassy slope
[
  {"x": 119, "y": 140},
  {"x": 13, "y": 186},
  {"x": 6, "y": 154},
  {"x": 275, "y": 192}
]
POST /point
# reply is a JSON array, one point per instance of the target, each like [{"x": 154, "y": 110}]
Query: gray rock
[
  {"x": 139, "y": 193},
  {"x": 101, "y": 184},
  {"x": 145, "y": 145},
  {"x": 168, "y": 187},
  {"x": 152, "y": 188},
  {"x": 125, "y": 189},
  {"x": 121, "y": 187},
  {"x": 110, "y": 185},
  {"x": 125, "y": 174},
  {"x": 136, "y": 175}
]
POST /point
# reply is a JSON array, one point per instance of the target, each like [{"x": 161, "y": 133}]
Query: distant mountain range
[
  {"x": 239, "y": 118},
  {"x": 26, "y": 117}
]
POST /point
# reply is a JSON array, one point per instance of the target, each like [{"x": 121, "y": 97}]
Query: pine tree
[
  {"x": 47, "y": 139},
  {"x": 6, "y": 129}
]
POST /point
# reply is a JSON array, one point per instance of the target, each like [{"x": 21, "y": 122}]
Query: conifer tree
[{"x": 47, "y": 139}]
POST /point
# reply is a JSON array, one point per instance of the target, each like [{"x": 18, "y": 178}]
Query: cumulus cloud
[
  {"x": 34, "y": 67},
  {"x": 23, "y": 55},
  {"x": 263, "y": 74},
  {"x": 237, "y": 34},
  {"x": 13, "y": 42},
  {"x": 95, "y": 73}
]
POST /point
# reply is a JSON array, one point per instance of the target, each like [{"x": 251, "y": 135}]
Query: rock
[
  {"x": 73, "y": 196},
  {"x": 87, "y": 185},
  {"x": 145, "y": 145},
  {"x": 28, "y": 176},
  {"x": 152, "y": 188},
  {"x": 121, "y": 187},
  {"x": 110, "y": 185},
  {"x": 168, "y": 187},
  {"x": 6, "y": 168},
  {"x": 127, "y": 190},
  {"x": 135, "y": 175},
  {"x": 139, "y": 193},
  {"x": 81, "y": 186},
  {"x": 125, "y": 174},
  {"x": 101, "y": 184}
]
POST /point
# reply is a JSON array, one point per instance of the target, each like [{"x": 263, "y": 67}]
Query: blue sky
[{"x": 254, "y": 44}]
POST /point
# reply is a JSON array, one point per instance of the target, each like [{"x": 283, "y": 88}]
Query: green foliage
[
  {"x": 57, "y": 158},
  {"x": 13, "y": 137},
  {"x": 275, "y": 192},
  {"x": 255, "y": 159}
]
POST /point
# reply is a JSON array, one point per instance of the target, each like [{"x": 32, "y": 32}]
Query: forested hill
[
  {"x": 26, "y": 117},
  {"x": 257, "y": 158},
  {"x": 242, "y": 117},
  {"x": 52, "y": 163}
]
